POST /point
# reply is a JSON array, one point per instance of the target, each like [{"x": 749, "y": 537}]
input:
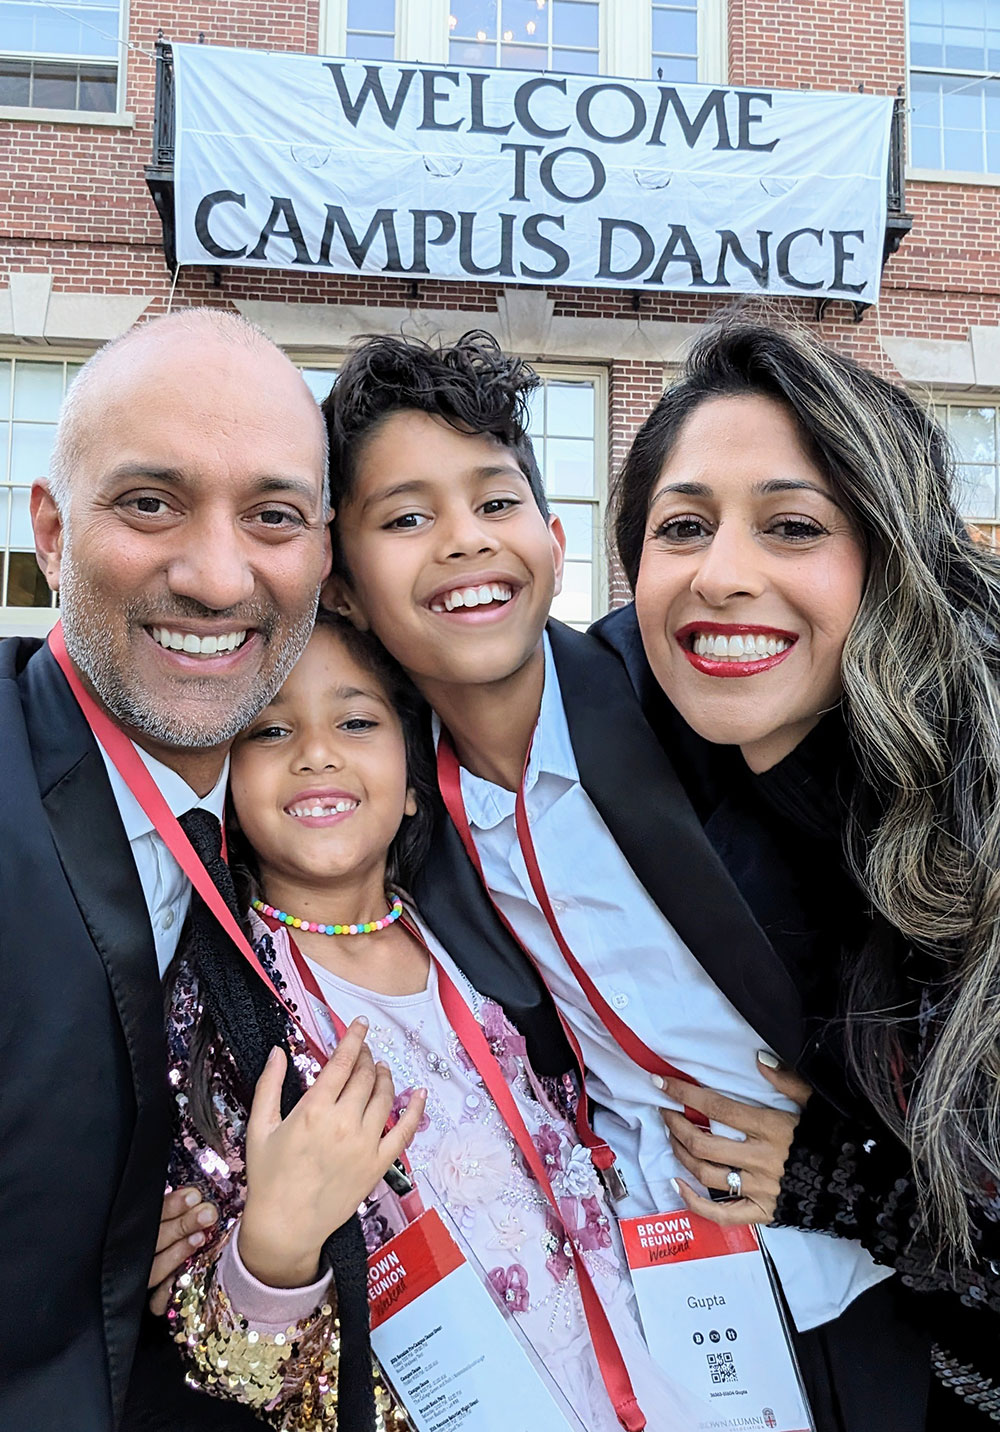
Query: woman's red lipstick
[{"x": 686, "y": 635}]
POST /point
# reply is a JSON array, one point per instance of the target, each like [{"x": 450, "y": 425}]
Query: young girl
[{"x": 331, "y": 802}]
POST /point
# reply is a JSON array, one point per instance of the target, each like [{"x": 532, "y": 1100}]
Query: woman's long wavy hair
[{"x": 921, "y": 677}]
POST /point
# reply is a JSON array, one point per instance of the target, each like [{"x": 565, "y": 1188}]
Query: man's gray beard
[{"x": 89, "y": 640}]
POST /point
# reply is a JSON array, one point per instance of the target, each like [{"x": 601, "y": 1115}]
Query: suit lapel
[
  {"x": 637, "y": 794},
  {"x": 97, "y": 861}
]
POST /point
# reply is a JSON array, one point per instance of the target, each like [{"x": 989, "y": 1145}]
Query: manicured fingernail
[
  {"x": 420, "y": 1093},
  {"x": 275, "y": 1050},
  {"x": 196, "y": 1240},
  {"x": 659, "y": 1081},
  {"x": 362, "y": 1021},
  {"x": 206, "y": 1216},
  {"x": 192, "y": 1197},
  {"x": 769, "y": 1060}
]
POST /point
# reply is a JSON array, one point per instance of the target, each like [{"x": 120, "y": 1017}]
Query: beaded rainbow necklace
[{"x": 295, "y": 923}]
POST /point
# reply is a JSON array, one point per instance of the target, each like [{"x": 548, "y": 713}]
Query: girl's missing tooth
[{"x": 331, "y": 803}]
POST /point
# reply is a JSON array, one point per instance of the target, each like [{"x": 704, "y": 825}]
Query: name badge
[
  {"x": 446, "y": 1349},
  {"x": 713, "y": 1323}
]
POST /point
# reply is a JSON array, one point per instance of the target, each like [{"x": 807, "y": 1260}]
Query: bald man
[{"x": 184, "y": 525}]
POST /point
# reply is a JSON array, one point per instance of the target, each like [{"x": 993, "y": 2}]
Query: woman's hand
[
  {"x": 308, "y": 1173},
  {"x": 184, "y": 1225},
  {"x": 759, "y": 1159}
]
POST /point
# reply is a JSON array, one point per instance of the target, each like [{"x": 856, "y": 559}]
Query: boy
[{"x": 444, "y": 547}]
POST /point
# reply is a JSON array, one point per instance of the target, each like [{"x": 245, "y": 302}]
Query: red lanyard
[
  {"x": 450, "y": 782},
  {"x": 134, "y": 773},
  {"x": 469, "y": 1032}
]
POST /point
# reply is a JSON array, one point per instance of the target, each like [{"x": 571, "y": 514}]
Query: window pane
[
  {"x": 977, "y": 491},
  {"x": 963, "y": 150},
  {"x": 675, "y": 32},
  {"x": 5, "y": 367},
  {"x": 973, "y": 433},
  {"x": 15, "y": 81},
  {"x": 26, "y": 587},
  {"x": 570, "y": 409},
  {"x": 474, "y": 18},
  {"x": 30, "y": 450},
  {"x": 964, "y": 49},
  {"x": 54, "y": 87},
  {"x": 527, "y": 21},
  {"x": 370, "y": 47},
  {"x": 568, "y": 467},
  {"x": 577, "y": 519},
  {"x": 925, "y": 148},
  {"x": 926, "y": 45},
  {"x": 371, "y": 14},
  {"x": 575, "y": 23},
  {"x": 675, "y": 71},
  {"x": 472, "y": 56},
  {"x": 924, "y": 12},
  {"x": 524, "y": 57},
  {"x": 38, "y": 390},
  {"x": 575, "y": 603},
  {"x": 98, "y": 89},
  {"x": 319, "y": 381},
  {"x": 20, "y": 520},
  {"x": 576, "y": 62}
]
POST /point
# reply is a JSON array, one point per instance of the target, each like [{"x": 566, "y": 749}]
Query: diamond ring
[{"x": 734, "y": 1182}]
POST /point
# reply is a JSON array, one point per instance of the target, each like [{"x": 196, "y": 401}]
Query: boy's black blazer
[
  {"x": 634, "y": 787},
  {"x": 83, "y": 1096}
]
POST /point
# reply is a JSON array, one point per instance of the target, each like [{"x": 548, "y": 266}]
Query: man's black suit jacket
[
  {"x": 83, "y": 1096},
  {"x": 634, "y": 787}
]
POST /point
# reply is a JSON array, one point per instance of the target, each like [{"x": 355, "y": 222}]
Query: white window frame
[
  {"x": 119, "y": 118},
  {"x": 969, "y": 398},
  {"x": 626, "y": 35},
  {"x": 986, "y": 178}
]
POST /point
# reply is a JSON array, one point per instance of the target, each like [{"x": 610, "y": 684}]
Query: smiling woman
[{"x": 806, "y": 592}]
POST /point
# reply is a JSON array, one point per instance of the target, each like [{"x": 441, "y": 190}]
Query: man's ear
[
  {"x": 558, "y": 539},
  {"x": 410, "y": 808},
  {"x": 47, "y": 525},
  {"x": 336, "y": 596}
]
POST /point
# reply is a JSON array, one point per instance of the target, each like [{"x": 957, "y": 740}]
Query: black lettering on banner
[
  {"x": 729, "y": 243},
  {"x": 390, "y": 110},
  {"x": 536, "y": 240},
  {"x": 647, "y": 249},
  {"x": 520, "y": 150},
  {"x": 357, "y": 249},
  {"x": 504, "y": 265},
  {"x": 679, "y": 239},
  {"x": 201, "y": 217},
  {"x": 841, "y": 256},
  {"x": 586, "y": 123},
  {"x": 522, "y": 98},
  {"x": 432, "y": 98},
  {"x": 477, "y": 123},
  {"x": 597, "y": 172},
  {"x": 783, "y": 259},
  {"x": 714, "y": 104},
  {"x": 282, "y": 209},
  {"x": 445, "y": 234},
  {"x": 743, "y": 102}
]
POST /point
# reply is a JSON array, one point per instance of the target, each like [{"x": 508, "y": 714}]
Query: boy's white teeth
[
  {"x": 753, "y": 646},
  {"x": 472, "y": 597},
  {"x": 321, "y": 808},
  {"x": 192, "y": 645}
]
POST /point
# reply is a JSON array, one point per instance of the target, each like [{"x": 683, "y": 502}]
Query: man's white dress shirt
[
  {"x": 649, "y": 976},
  {"x": 164, "y": 884}
]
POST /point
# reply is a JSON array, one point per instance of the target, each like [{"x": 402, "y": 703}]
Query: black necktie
[{"x": 204, "y": 832}]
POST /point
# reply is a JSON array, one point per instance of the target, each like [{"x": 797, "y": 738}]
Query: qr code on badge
[{"x": 721, "y": 1366}]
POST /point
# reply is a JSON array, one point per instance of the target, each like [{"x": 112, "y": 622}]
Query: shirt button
[
  {"x": 167, "y": 920},
  {"x": 619, "y": 1000},
  {"x": 559, "y": 905}
]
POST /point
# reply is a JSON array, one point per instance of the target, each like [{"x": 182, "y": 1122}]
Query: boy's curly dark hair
[{"x": 472, "y": 385}]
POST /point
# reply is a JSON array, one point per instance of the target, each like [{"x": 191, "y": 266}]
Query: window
[
  {"x": 31, "y": 394},
  {"x": 63, "y": 57},
  {"x": 562, "y": 35},
  {"x": 675, "y": 42},
  {"x": 568, "y": 439},
  {"x": 954, "y": 102},
  {"x": 371, "y": 29},
  {"x": 974, "y": 438}
]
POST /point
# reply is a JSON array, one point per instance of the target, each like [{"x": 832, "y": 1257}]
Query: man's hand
[
  {"x": 759, "y": 1158},
  {"x": 184, "y": 1225}
]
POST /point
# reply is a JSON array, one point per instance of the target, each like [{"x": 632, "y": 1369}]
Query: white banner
[{"x": 301, "y": 162}]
